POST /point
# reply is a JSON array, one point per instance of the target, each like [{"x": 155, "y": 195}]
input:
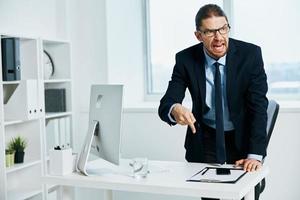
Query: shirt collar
[{"x": 210, "y": 61}]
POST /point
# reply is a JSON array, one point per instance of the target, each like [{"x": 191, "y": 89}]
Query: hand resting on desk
[{"x": 249, "y": 164}]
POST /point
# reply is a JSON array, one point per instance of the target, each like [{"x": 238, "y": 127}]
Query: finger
[
  {"x": 246, "y": 164},
  {"x": 239, "y": 162},
  {"x": 190, "y": 122},
  {"x": 192, "y": 126},
  {"x": 254, "y": 166},
  {"x": 193, "y": 118},
  {"x": 250, "y": 166},
  {"x": 193, "y": 121},
  {"x": 258, "y": 166}
]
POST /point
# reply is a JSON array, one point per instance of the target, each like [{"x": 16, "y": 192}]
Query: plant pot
[
  {"x": 19, "y": 156},
  {"x": 9, "y": 159}
]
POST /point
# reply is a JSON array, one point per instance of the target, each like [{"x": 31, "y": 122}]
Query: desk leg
[
  {"x": 250, "y": 195},
  {"x": 108, "y": 195}
]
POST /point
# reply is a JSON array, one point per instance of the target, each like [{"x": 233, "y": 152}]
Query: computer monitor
[{"x": 104, "y": 129}]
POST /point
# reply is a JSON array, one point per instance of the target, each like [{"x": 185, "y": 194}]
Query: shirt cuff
[
  {"x": 169, "y": 114},
  {"x": 256, "y": 157}
]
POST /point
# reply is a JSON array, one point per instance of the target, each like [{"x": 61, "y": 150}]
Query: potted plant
[{"x": 18, "y": 144}]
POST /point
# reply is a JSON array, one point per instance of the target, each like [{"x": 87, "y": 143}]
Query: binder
[
  {"x": 11, "y": 59},
  {"x": 23, "y": 103},
  {"x": 55, "y": 100}
]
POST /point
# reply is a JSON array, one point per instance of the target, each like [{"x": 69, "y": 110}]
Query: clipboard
[{"x": 208, "y": 175}]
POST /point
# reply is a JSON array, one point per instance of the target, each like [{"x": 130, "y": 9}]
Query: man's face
[{"x": 215, "y": 43}]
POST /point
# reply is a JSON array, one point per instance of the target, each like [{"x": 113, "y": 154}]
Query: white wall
[
  {"x": 126, "y": 48},
  {"x": 33, "y": 17},
  {"x": 283, "y": 157},
  {"x": 87, "y": 33}
]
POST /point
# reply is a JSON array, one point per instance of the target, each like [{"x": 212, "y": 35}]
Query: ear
[{"x": 198, "y": 36}]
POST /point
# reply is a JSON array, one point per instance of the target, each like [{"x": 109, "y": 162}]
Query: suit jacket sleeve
[
  {"x": 175, "y": 92},
  {"x": 257, "y": 104}
]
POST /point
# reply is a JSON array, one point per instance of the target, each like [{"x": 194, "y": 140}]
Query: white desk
[{"x": 166, "y": 178}]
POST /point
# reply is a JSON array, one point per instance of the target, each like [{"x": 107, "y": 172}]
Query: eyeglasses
[{"x": 212, "y": 32}]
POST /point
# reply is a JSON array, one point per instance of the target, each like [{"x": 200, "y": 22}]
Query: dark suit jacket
[{"x": 246, "y": 94}]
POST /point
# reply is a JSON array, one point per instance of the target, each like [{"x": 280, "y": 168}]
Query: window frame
[{"x": 148, "y": 81}]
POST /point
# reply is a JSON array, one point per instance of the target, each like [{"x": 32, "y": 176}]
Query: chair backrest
[{"x": 272, "y": 112}]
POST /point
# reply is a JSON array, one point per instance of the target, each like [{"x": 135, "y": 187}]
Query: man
[{"x": 227, "y": 83}]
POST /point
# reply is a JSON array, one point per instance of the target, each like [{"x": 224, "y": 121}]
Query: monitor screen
[{"x": 104, "y": 130}]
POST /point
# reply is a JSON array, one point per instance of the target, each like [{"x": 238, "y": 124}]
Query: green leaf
[{"x": 17, "y": 144}]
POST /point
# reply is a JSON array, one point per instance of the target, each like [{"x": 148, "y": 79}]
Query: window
[
  {"x": 273, "y": 25},
  {"x": 171, "y": 26}
]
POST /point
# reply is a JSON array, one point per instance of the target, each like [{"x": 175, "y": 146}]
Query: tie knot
[{"x": 216, "y": 64}]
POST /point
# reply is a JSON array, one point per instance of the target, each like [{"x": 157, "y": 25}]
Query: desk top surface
[{"x": 165, "y": 177}]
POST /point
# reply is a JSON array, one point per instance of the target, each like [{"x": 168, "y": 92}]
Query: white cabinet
[{"x": 23, "y": 113}]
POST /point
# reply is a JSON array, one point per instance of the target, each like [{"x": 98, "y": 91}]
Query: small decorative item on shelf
[
  {"x": 9, "y": 157},
  {"x": 48, "y": 65},
  {"x": 61, "y": 160},
  {"x": 18, "y": 144}
]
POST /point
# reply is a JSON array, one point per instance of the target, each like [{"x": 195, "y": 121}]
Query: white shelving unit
[{"x": 42, "y": 130}]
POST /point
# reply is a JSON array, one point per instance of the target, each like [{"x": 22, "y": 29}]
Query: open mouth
[{"x": 218, "y": 47}]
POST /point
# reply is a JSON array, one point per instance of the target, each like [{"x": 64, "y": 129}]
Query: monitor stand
[
  {"x": 84, "y": 154},
  {"x": 102, "y": 167}
]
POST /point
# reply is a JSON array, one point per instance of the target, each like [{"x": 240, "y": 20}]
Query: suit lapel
[
  {"x": 200, "y": 73},
  {"x": 231, "y": 70}
]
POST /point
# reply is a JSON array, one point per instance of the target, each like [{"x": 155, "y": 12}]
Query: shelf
[
  {"x": 6, "y": 123},
  {"x": 57, "y": 80},
  {"x": 52, "y": 188},
  {"x": 17, "y": 167},
  {"x": 57, "y": 115},
  {"x": 13, "y": 122},
  {"x": 10, "y": 82},
  {"x": 55, "y": 41},
  {"x": 22, "y": 193},
  {"x": 22, "y": 181},
  {"x": 22, "y": 37}
]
